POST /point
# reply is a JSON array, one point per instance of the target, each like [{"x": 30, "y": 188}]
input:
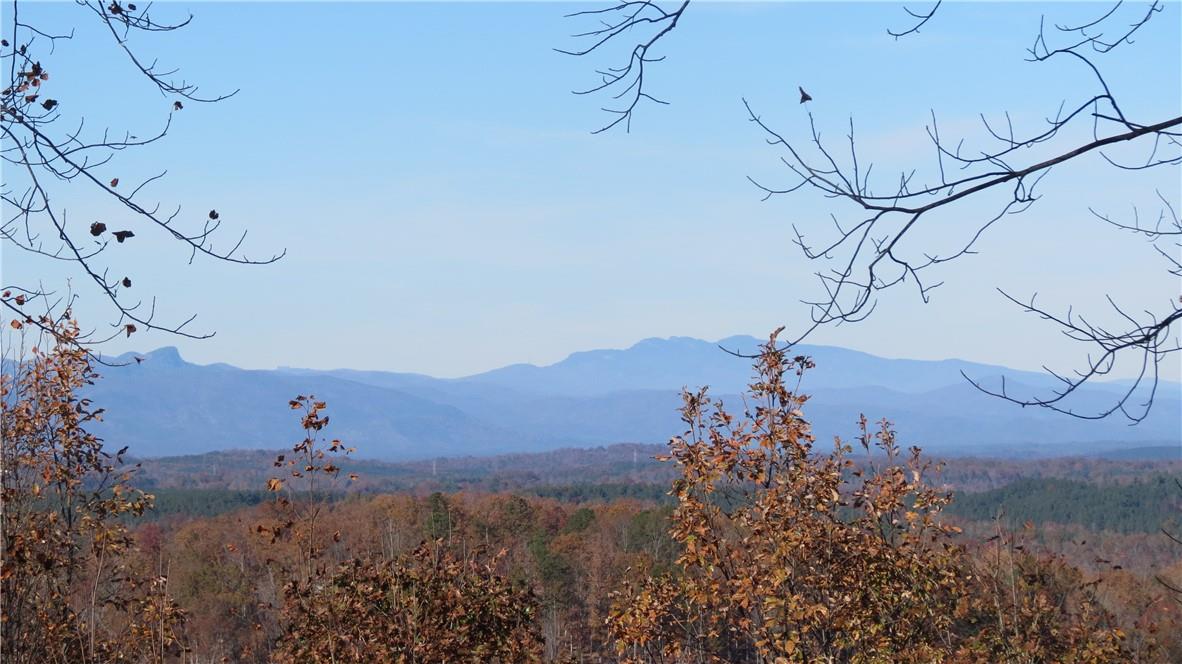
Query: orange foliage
[
  {"x": 69, "y": 590},
  {"x": 428, "y": 606},
  {"x": 791, "y": 554}
]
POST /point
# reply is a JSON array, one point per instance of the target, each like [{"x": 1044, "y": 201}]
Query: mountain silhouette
[{"x": 164, "y": 405}]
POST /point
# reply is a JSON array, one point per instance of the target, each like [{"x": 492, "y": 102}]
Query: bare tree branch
[
  {"x": 625, "y": 84},
  {"x": 41, "y": 158},
  {"x": 880, "y": 248},
  {"x": 921, "y": 19}
]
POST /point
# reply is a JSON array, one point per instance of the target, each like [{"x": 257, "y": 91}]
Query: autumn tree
[
  {"x": 70, "y": 590},
  {"x": 66, "y": 498},
  {"x": 1031, "y": 607},
  {"x": 425, "y": 606},
  {"x": 795, "y": 553}
]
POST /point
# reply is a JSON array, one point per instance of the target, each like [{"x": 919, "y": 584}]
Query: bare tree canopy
[
  {"x": 48, "y": 148},
  {"x": 871, "y": 243}
]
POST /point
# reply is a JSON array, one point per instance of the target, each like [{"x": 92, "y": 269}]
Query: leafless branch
[
  {"x": 881, "y": 246},
  {"x": 625, "y": 84},
  {"x": 921, "y": 19},
  {"x": 42, "y": 158}
]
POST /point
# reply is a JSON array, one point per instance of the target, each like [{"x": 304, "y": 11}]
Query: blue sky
[{"x": 446, "y": 210}]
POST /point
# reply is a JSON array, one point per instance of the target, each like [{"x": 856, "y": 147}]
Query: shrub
[
  {"x": 69, "y": 589},
  {"x": 790, "y": 553}
]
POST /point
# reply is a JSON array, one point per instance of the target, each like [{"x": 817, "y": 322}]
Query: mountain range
[{"x": 164, "y": 406}]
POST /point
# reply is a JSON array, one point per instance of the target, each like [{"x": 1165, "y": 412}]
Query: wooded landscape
[
  {"x": 766, "y": 544},
  {"x": 746, "y": 538}
]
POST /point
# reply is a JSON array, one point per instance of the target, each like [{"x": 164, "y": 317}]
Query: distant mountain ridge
[
  {"x": 163, "y": 405},
  {"x": 684, "y": 361}
]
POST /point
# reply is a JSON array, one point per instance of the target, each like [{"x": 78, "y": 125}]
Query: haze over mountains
[{"x": 165, "y": 406}]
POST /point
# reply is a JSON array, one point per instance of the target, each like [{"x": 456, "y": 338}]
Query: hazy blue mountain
[
  {"x": 684, "y": 361},
  {"x": 165, "y": 406}
]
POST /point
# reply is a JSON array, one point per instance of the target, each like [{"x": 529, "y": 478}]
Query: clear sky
[{"x": 446, "y": 210}]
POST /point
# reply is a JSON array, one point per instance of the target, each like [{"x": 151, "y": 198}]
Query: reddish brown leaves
[
  {"x": 798, "y": 554},
  {"x": 50, "y": 554},
  {"x": 425, "y": 607},
  {"x": 429, "y": 606}
]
